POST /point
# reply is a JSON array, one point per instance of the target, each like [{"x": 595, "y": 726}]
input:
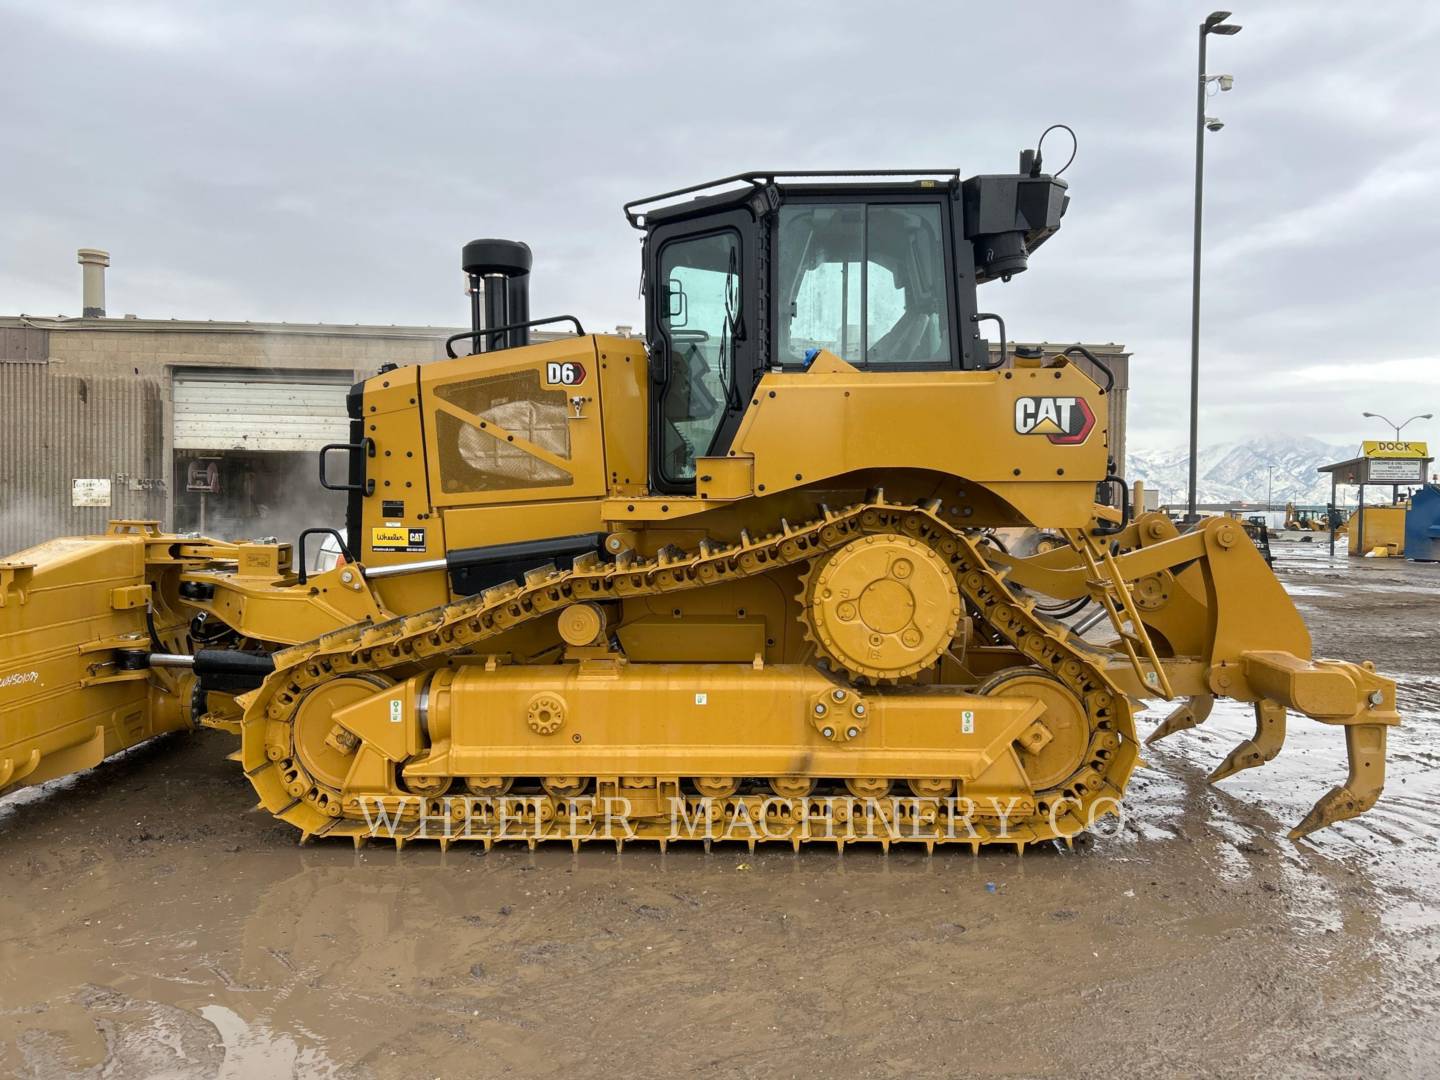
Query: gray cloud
[{"x": 246, "y": 161}]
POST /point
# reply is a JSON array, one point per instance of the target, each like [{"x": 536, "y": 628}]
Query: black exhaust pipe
[{"x": 501, "y": 268}]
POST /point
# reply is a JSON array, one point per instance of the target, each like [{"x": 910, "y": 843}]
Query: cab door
[
  {"x": 701, "y": 316},
  {"x": 518, "y": 425}
]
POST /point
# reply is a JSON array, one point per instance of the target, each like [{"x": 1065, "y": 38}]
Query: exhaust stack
[
  {"x": 94, "y": 261},
  {"x": 502, "y": 269}
]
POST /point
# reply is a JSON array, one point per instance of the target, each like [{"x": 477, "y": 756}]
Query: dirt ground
[{"x": 151, "y": 926}]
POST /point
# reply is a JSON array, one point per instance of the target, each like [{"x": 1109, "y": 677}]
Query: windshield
[{"x": 865, "y": 281}]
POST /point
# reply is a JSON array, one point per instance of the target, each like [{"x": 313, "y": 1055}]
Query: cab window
[
  {"x": 699, "y": 311},
  {"x": 864, "y": 280}
]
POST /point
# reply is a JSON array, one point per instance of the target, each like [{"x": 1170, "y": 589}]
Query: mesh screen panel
[{"x": 474, "y": 459}]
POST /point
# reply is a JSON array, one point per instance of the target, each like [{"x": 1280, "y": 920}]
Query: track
[{"x": 664, "y": 810}]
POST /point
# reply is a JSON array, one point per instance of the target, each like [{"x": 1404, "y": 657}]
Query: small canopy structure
[{"x": 1393, "y": 464}]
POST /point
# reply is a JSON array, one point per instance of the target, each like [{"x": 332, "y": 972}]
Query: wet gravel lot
[{"x": 150, "y": 925}]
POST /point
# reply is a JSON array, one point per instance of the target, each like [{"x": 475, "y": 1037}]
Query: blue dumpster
[{"x": 1422, "y": 525}]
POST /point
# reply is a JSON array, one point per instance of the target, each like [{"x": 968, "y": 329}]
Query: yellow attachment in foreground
[{"x": 69, "y": 609}]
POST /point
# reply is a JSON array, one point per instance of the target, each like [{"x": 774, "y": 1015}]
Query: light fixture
[
  {"x": 1213, "y": 124},
  {"x": 1398, "y": 427}
]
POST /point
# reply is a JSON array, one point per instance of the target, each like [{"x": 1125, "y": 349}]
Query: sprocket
[{"x": 882, "y": 607}]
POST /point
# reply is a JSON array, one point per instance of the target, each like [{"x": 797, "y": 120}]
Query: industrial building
[
  {"x": 205, "y": 426},
  {"x": 200, "y": 425}
]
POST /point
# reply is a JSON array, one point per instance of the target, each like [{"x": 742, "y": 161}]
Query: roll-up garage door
[{"x": 246, "y": 409}]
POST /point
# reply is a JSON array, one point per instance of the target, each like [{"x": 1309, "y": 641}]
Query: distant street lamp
[
  {"x": 1214, "y": 24},
  {"x": 1269, "y": 487},
  {"x": 1398, "y": 427}
]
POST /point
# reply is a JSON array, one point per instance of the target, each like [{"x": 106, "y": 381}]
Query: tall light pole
[
  {"x": 1214, "y": 24},
  {"x": 1398, "y": 427},
  {"x": 1269, "y": 487}
]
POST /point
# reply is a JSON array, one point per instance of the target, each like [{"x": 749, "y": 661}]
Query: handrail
[
  {"x": 986, "y": 316},
  {"x": 489, "y": 330},
  {"x": 304, "y": 571},
  {"x": 365, "y": 446},
  {"x": 1103, "y": 529},
  {"x": 1104, "y": 367}
]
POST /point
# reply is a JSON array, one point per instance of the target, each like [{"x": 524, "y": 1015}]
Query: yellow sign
[
  {"x": 391, "y": 538},
  {"x": 1374, "y": 449}
]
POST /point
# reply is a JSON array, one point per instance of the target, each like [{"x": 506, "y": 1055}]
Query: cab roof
[{"x": 753, "y": 184}]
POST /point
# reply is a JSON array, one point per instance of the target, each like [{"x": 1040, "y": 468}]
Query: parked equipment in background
[
  {"x": 741, "y": 580},
  {"x": 1259, "y": 533}
]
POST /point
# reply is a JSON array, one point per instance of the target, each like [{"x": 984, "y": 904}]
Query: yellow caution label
[{"x": 389, "y": 538}]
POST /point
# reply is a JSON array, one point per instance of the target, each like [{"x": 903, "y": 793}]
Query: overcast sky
[{"x": 243, "y": 161}]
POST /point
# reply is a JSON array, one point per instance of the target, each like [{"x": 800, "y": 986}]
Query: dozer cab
[{"x": 734, "y": 581}]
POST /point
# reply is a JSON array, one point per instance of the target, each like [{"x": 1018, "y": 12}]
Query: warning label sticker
[
  {"x": 389, "y": 538},
  {"x": 94, "y": 492}
]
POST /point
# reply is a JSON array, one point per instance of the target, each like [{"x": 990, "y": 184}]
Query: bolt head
[
  {"x": 838, "y": 695},
  {"x": 347, "y": 577},
  {"x": 820, "y": 709},
  {"x": 850, "y": 733},
  {"x": 829, "y": 733}
]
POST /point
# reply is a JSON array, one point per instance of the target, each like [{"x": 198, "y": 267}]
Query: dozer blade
[
  {"x": 71, "y": 611},
  {"x": 1192, "y": 713}
]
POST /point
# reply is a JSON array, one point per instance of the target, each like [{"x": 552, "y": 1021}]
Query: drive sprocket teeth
[{"x": 882, "y": 607}]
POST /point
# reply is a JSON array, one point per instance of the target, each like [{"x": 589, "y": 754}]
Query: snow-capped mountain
[{"x": 1241, "y": 471}]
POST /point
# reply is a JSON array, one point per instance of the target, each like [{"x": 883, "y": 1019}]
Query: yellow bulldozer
[{"x": 738, "y": 580}]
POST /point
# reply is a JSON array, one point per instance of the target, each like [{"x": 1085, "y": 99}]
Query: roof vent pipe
[{"x": 94, "y": 262}]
